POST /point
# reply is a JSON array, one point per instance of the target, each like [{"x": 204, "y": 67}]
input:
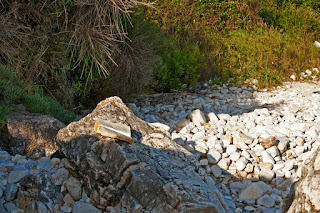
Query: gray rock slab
[
  {"x": 266, "y": 201},
  {"x": 266, "y": 175},
  {"x": 81, "y": 207},
  {"x": 45, "y": 166},
  {"x": 10, "y": 192},
  {"x": 11, "y": 207},
  {"x": 16, "y": 175},
  {"x": 32, "y": 132},
  {"x": 74, "y": 188},
  {"x": 254, "y": 191},
  {"x": 154, "y": 173},
  {"x": 216, "y": 170},
  {"x": 60, "y": 176}
]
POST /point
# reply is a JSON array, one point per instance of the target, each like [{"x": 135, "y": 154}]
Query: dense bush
[
  {"x": 62, "y": 45},
  {"x": 177, "y": 69}
]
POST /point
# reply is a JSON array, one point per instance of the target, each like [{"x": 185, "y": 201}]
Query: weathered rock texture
[
  {"x": 153, "y": 174},
  {"x": 306, "y": 194},
  {"x": 31, "y": 133},
  {"x": 35, "y": 188}
]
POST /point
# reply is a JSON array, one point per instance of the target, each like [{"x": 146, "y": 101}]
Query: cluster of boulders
[
  {"x": 221, "y": 149},
  {"x": 42, "y": 185},
  {"x": 241, "y": 136}
]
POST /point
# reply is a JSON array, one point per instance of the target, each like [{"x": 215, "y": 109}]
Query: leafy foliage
[
  {"x": 178, "y": 68},
  {"x": 267, "y": 40}
]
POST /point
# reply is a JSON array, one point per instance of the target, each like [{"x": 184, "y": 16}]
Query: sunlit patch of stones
[{"x": 252, "y": 143}]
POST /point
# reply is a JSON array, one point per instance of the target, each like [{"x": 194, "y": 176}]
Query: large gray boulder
[
  {"x": 32, "y": 134},
  {"x": 305, "y": 195},
  {"x": 153, "y": 174}
]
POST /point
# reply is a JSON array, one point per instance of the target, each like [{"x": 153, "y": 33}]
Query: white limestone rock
[{"x": 198, "y": 116}]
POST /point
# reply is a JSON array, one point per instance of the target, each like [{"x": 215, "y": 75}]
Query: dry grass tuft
[{"x": 47, "y": 42}]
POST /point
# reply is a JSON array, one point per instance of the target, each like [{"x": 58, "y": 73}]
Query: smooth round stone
[
  {"x": 266, "y": 201},
  {"x": 231, "y": 149},
  {"x": 41, "y": 207},
  {"x": 10, "y": 192},
  {"x": 81, "y": 207},
  {"x": 254, "y": 191},
  {"x": 245, "y": 154},
  {"x": 16, "y": 175},
  {"x": 234, "y": 156},
  {"x": 278, "y": 199},
  {"x": 238, "y": 210},
  {"x": 267, "y": 158},
  {"x": 231, "y": 204},
  {"x": 66, "y": 209},
  {"x": 198, "y": 116},
  {"x": 241, "y": 163},
  {"x": 289, "y": 164},
  {"x": 213, "y": 156},
  {"x": 60, "y": 176},
  {"x": 266, "y": 175},
  {"x": 299, "y": 141},
  {"x": 216, "y": 171},
  {"x": 203, "y": 162},
  {"x": 45, "y": 165},
  {"x": 224, "y": 163},
  {"x": 73, "y": 186},
  {"x": 284, "y": 185},
  {"x": 249, "y": 168},
  {"x": 16, "y": 158},
  {"x": 273, "y": 151},
  {"x": 236, "y": 187},
  {"x": 10, "y": 207},
  {"x": 4, "y": 155},
  {"x": 249, "y": 208}
]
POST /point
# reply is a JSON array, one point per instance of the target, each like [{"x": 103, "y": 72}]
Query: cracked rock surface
[{"x": 154, "y": 174}]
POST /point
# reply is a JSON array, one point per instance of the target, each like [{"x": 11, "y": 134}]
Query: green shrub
[
  {"x": 178, "y": 68},
  {"x": 38, "y": 103},
  {"x": 14, "y": 91}
]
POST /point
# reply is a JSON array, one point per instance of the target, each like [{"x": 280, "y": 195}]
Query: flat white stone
[
  {"x": 234, "y": 156},
  {"x": 267, "y": 158},
  {"x": 241, "y": 163}
]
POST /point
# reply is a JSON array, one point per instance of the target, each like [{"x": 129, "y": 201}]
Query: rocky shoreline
[{"x": 253, "y": 145}]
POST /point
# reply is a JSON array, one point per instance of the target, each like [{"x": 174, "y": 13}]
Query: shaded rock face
[
  {"x": 305, "y": 195},
  {"x": 152, "y": 174},
  {"x": 32, "y": 134}
]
